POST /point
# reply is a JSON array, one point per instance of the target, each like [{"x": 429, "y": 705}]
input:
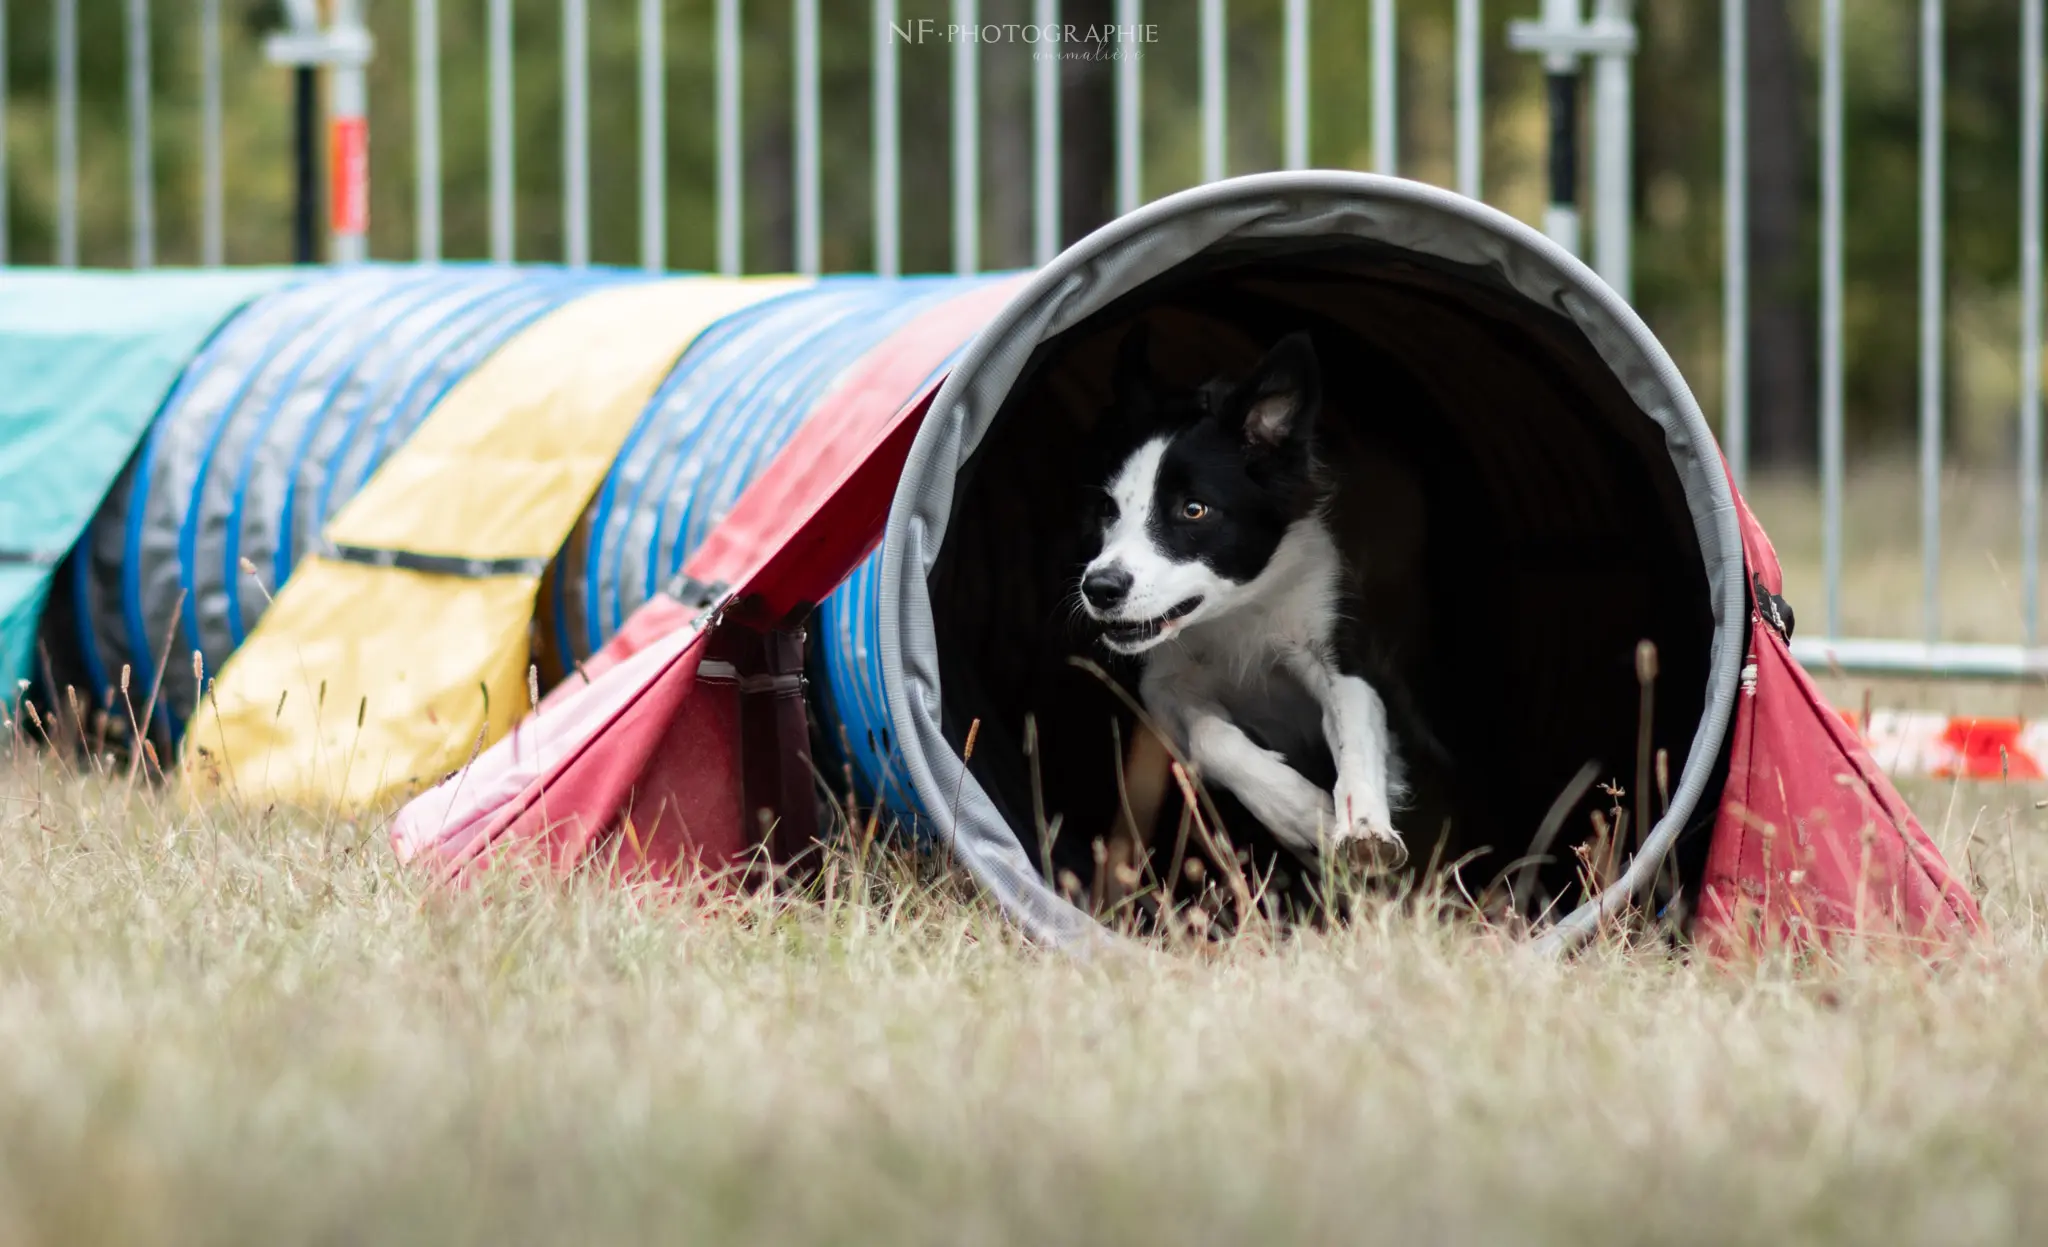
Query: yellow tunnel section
[{"x": 401, "y": 648}]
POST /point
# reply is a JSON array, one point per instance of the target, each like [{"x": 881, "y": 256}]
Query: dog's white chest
[{"x": 1252, "y": 684}]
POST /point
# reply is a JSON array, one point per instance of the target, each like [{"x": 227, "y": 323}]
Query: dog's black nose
[{"x": 1105, "y": 587}]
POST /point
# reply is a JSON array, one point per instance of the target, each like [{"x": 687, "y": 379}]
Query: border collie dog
[{"x": 1220, "y": 572}]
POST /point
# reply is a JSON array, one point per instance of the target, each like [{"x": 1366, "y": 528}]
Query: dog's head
[{"x": 1204, "y": 486}]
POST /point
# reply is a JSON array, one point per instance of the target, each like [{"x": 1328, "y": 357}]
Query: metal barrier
[
  {"x": 1929, "y": 656},
  {"x": 343, "y": 46},
  {"x": 1569, "y": 34}
]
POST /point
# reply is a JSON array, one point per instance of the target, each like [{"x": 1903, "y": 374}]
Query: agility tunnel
[
  {"x": 690, "y": 500},
  {"x": 1575, "y": 508}
]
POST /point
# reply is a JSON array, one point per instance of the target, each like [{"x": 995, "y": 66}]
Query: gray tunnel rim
[{"x": 1272, "y": 205}]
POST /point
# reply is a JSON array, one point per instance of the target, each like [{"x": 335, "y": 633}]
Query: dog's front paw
[
  {"x": 1365, "y": 835},
  {"x": 1372, "y": 850}
]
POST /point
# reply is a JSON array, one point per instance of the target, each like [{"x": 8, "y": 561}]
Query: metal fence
[
  {"x": 1928, "y": 654},
  {"x": 1564, "y": 34}
]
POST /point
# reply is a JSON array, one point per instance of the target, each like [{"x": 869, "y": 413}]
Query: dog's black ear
[
  {"x": 1134, "y": 386},
  {"x": 1279, "y": 400}
]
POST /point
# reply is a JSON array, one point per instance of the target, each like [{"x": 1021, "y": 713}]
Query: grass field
[
  {"x": 246, "y": 1027},
  {"x": 224, "y": 1026}
]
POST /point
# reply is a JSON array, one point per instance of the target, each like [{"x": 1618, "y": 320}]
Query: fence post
[
  {"x": 1471, "y": 132},
  {"x": 728, "y": 53},
  {"x": 1215, "y": 89},
  {"x": 575, "y": 134},
  {"x": 1130, "y": 118},
  {"x": 1735, "y": 237},
  {"x": 1045, "y": 131},
  {"x": 966, "y": 137},
  {"x": 1931, "y": 277},
  {"x": 1294, "y": 87},
  {"x": 888, "y": 234},
  {"x": 1831, "y": 312},
  {"x": 2031, "y": 39},
  {"x": 653, "y": 141},
  {"x": 1613, "y": 177},
  {"x": 808, "y": 227},
  {"x": 1386, "y": 132},
  {"x": 65, "y": 54}
]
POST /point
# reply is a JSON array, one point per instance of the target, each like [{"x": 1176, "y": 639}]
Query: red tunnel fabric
[
  {"x": 653, "y": 739},
  {"x": 1811, "y": 841}
]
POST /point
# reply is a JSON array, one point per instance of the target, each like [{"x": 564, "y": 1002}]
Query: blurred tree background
[{"x": 1677, "y": 136}]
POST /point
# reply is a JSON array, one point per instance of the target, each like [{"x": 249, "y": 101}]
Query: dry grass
[
  {"x": 256, "y": 1027},
  {"x": 231, "y": 1026}
]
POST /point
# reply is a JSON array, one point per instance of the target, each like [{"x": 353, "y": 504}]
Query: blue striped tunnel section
[{"x": 270, "y": 431}]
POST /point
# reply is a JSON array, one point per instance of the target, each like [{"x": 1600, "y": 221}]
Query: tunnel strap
[
  {"x": 1776, "y": 611},
  {"x": 695, "y": 593},
  {"x": 436, "y": 564}
]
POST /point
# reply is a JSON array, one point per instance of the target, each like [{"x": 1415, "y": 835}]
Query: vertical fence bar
[
  {"x": 728, "y": 55},
  {"x": 1214, "y": 88},
  {"x": 1831, "y": 311},
  {"x": 141, "y": 177},
  {"x": 575, "y": 133},
  {"x": 2031, "y": 103},
  {"x": 1613, "y": 177},
  {"x": 1385, "y": 122},
  {"x": 1045, "y": 131},
  {"x": 348, "y": 95},
  {"x": 1735, "y": 237},
  {"x": 65, "y": 53},
  {"x": 1471, "y": 98},
  {"x": 966, "y": 137},
  {"x": 1295, "y": 75},
  {"x": 808, "y": 260},
  {"x": 1130, "y": 127},
  {"x": 501, "y": 130},
  {"x": 888, "y": 232},
  {"x": 653, "y": 141},
  {"x": 1930, "y": 318},
  {"x": 426, "y": 124},
  {"x": 213, "y": 228}
]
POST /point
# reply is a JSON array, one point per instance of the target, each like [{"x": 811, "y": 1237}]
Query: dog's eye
[
  {"x": 1107, "y": 508},
  {"x": 1192, "y": 510}
]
